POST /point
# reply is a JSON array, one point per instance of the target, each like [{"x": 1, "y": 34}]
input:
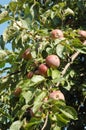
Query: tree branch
[
  {"x": 45, "y": 123},
  {"x": 73, "y": 57},
  {"x": 16, "y": 72}
]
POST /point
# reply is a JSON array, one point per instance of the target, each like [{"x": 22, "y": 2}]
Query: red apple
[
  {"x": 30, "y": 75},
  {"x": 82, "y": 33},
  {"x": 27, "y": 54},
  {"x": 53, "y": 61},
  {"x": 57, "y": 95},
  {"x": 43, "y": 69},
  {"x": 57, "y": 33},
  {"x": 17, "y": 91}
]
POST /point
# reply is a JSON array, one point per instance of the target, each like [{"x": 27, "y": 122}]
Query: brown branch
[
  {"x": 72, "y": 58},
  {"x": 45, "y": 123}
]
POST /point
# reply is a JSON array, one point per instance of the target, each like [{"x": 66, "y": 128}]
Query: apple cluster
[{"x": 51, "y": 61}]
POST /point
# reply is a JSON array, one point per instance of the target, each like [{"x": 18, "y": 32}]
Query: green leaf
[
  {"x": 57, "y": 128},
  {"x": 55, "y": 74},
  {"x": 62, "y": 119},
  {"x": 10, "y": 33},
  {"x": 82, "y": 50},
  {"x": 16, "y": 125},
  {"x": 24, "y": 84},
  {"x": 68, "y": 11},
  {"x": 4, "y": 17},
  {"x": 69, "y": 112},
  {"x": 58, "y": 119},
  {"x": 28, "y": 96},
  {"x": 37, "y": 79},
  {"x": 32, "y": 122},
  {"x": 60, "y": 51},
  {"x": 3, "y": 54},
  {"x": 12, "y": 6},
  {"x": 38, "y": 101},
  {"x": 59, "y": 103},
  {"x": 24, "y": 23}
]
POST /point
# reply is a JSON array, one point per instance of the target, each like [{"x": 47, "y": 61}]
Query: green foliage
[{"x": 30, "y": 26}]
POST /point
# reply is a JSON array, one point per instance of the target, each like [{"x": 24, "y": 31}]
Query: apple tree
[{"x": 43, "y": 73}]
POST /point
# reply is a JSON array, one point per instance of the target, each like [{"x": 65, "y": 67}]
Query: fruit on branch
[
  {"x": 30, "y": 75},
  {"x": 82, "y": 34},
  {"x": 53, "y": 61},
  {"x": 57, "y": 33},
  {"x": 43, "y": 69},
  {"x": 27, "y": 54},
  {"x": 57, "y": 95},
  {"x": 17, "y": 91},
  {"x": 84, "y": 43}
]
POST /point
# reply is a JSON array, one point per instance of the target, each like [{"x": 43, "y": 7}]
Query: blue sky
[
  {"x": 4, "y": 25},
  {"x": 3, "y": 2}
]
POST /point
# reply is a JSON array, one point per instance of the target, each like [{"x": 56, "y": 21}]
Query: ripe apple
[
  {"x": 53, "y": 61},
  {"x": 43, "y": 69},
  {"x": 30, "y": 75},
  {"x": 27, "y": 54},
  {"x": 57, "y": 95},
  {"x": 57, "y": 33},
  {"x": 17, "y": 91},
  {"x": 84, "y": 43},
  {"x": 82, "y": 33}
]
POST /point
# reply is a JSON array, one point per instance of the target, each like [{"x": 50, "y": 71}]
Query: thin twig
[
  {"x": 82, "y": 103},
  {"x": 45, "y": 123},
  {"x": 72, "y": 58},
  {"x": 16, "y": 72}
]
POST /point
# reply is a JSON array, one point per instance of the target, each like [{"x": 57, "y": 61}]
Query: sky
[
  {"x": 4, "y": 25},
  {"x": 3, "y": 2}
]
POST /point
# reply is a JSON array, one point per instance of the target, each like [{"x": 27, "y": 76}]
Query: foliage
[{"x": 30, "y": 26}]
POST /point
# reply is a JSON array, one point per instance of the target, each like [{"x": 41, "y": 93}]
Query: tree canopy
[{"x": 44, "y": 86}]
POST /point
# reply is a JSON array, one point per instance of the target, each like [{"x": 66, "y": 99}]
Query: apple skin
[
  {"x": 43, "y": 69},
  {"x": 82, "y": 33},
  {"x": 57, "y": 33},
  {"x": 27, "y": 54},
  {"x": 57, "y": 95},
  {"x": 30, "y": 75},
  {"x": 53, "y": 61},
  {"x": 17, "y": 91},
  {"x": 84, "y": 43}
]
